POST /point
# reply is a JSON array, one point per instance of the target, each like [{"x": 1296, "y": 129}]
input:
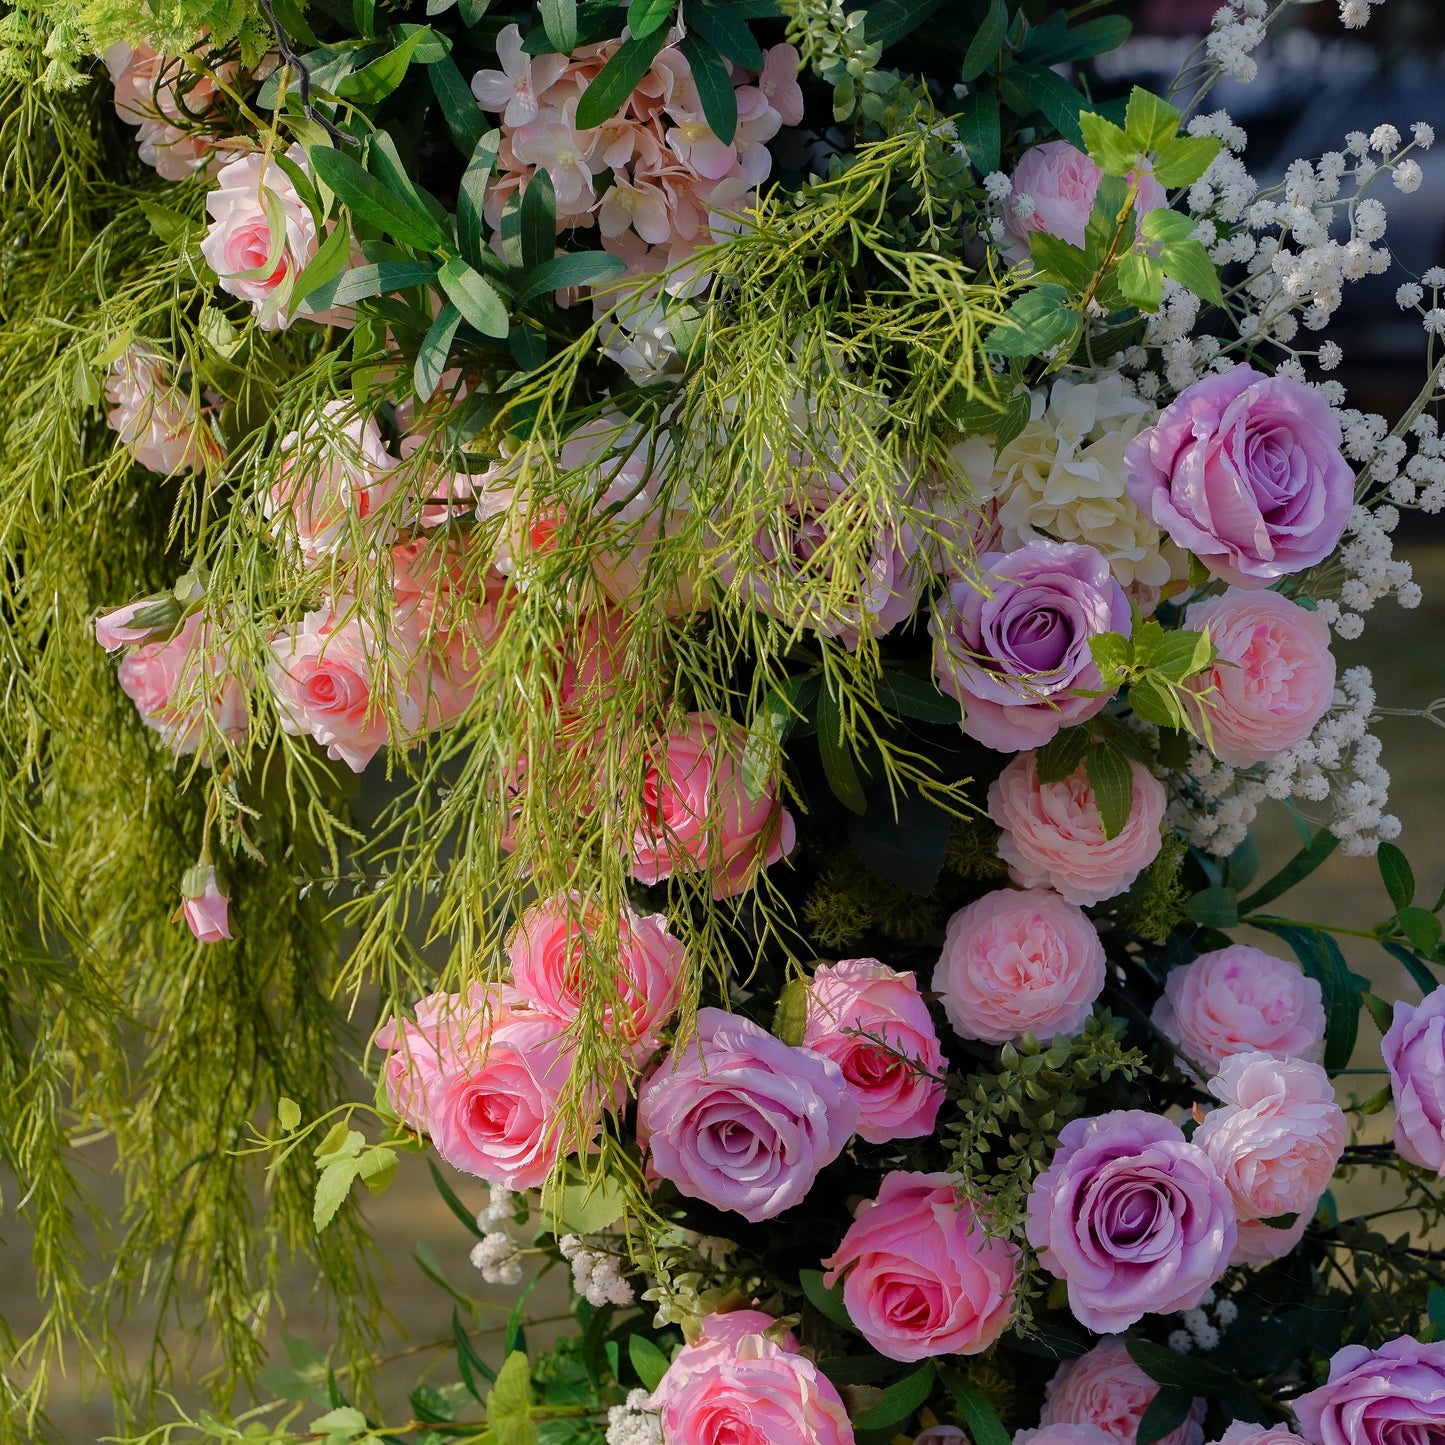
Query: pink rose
[
  {"x": 154, "y": 92},
  {"x": 1105, "y": 1388},
  {"x": 333, "y": 684},
  {"x": 553, "y": 967},
  {"x": 941, "y": 1435},
  {"x": 1136, "y": 1220},
  {"x": 1237, "y": 1000},
  {"x": 1414, "y": 1052},
  {"x": 204, "y": 907},
  {"x": 498, "y": 1114},
  {"x": 1391, "y": 1396},
  {"x": 921, "y": 1275},
  {"x": 1053, "y": 834},
  {"x": 156, "y": 422},
  {"x": 1065, "y": 1435},
  {"x": 737, "y": 1383},
  {"x": 1274, "y": 677},
  {"x": 1061, "y": 182},
  {"x": 742, "y": 1120},
  {"x": 699, "y": 815},
  {"x": 1018, "y": 963},
  {"x": 184, "y": 687},
  {"x": 1244, "y": 470},
  {"x": 898, "y": 1088},
  {"x": 1015, "y": 650},
  {"x": 1243, "y": 1433},
  {"x": 1277, "y": 1140}
]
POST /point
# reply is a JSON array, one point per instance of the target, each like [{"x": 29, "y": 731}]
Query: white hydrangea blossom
[
  {"x": 632, "y": 1423},
  {"x": 596, "y": 1273},
  {"x": 499, "y": 1258}
]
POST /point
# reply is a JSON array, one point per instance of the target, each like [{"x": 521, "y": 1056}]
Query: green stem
[{"x": 1267, "y": 918}]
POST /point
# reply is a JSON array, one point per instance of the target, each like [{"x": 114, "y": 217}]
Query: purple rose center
[
  {"x": 1132, "y": 1215},
  {"x": 1278, "y": 469},
  {"x": 1039, "y": 639}
]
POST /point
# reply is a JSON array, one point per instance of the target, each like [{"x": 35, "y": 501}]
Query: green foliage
[{"x": 1155, "y": 906}]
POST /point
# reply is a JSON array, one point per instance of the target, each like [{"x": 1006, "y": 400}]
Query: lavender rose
[
  {"x": 1018, "y": 657},
  {"x": 1244, "y": 470},
  {"x": 742, "y": 1120},
  {"x": 1378, "y": 1397},
  {"x": 1134, "y": 1218},
  {"x": 1414, "y": 1052}
]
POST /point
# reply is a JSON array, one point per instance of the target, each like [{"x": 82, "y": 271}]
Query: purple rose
[
  {"x": 1245, "y": 471},
  {"x": 742, "y": 1120},
  {"x": 1378, "y": 1397},
  {"x": 1017, "y": 656},
  {"x": 1414, "y": 1052},
  {"x": 1133, "y": 1217}
]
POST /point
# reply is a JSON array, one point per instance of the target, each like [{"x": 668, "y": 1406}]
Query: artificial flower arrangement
[{"x": 820, "y": 535}]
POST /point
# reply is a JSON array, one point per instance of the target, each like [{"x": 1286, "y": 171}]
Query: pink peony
[
  {"x": 1237, "y": 1000},
  {"x": 156, "y": 422},
  {"x": 699, "y": 815},
  {"x": 1276, "y": 1142},
  {"x": 1244, "y": 470},
  {"x": 741, "y": 1120},
  {"x": 1391, "y": 1396},
  {"x": 553, "y": 967},
  {"x": 1053, "y": 835},
  {"x": 1274, "y": 677},
  {"x": 1243, "y": 1433},
  {"x": 1106, "y": 1389},
  {"x": 898, "y": 1088},
  {"x": 1136, "y": 1220},
  {"x": 1012, "y": 645},
  {"x": 1061, "y": 182},
  {"x": 1414, "y": 1053},
  {"x": 921, "y": 1276},
  {"x": 204, "y": 907},
  {"x": 1072, "y": 1434},
  {"x": 747, "y": 1388},
  {"x": 1018, "y": 963}
]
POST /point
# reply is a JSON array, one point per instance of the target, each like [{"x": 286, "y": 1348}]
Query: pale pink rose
[
  {"x": 1063, "y": 1435},
  {"x": 336, "y": 480},
  {"x": 1062, "y": 182},
  {"x": 1244, "y": 1433},
  {"x": 250, "y": 260},
  {"x": 553, "y": 966},
  {"x": 1107, "y": 1389},
  {"x": 1239, "y": 999},
  {"x": 163, "y": 97},
  {"x": 741, "y": 1120},
  {"x": 155, "y": 421},
  {"x": 699, "y": 815},
  {"x": 120, "y": 627},
  {"x": 1018, "y": 963},
  {"x": 921, "y": 1274},
  {"x": 857, "y": 1006},
  {"x": 1414, "y": 1053},
  {"x": 941, "y": 1435},
  {"x": 1277, "y": 1140},
  {"x": 186, "y": 685},
  {"x": 204, "y": 907},
  {"x": 1053, "y": 835},
  {"x": 747, "y": 1388},
  {"x": 333, "y": 683},
  {"x": 1274, "y": 678},
  {"x": 1259, "y": 1243}
]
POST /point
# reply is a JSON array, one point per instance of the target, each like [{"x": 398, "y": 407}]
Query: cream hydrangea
[{"x": 1063, "y": 479}]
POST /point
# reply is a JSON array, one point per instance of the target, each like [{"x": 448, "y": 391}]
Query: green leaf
[
  {"x": 1298, "y": 868},
  {"x": 1320, "y": 957},
  {"x": 288, "y": 1113},
  {"x": 900, "y": 1402},
  {"x": 538, "y": 221},
  {"x": 1108, "y": 147},
  {"x": 1103, "y": 223},
  {"x": 575, "y": 268},
  {"x": 559, "y": 20},
  {"x": 984, "y": 1426},
  {"x": 1113, "y": 653},
  {"x": 377, "y": 1168},
  {"x": 790, "y": 1017},
  {"x": 1398, "y": 876},
  {"x": 469, "y": 1363},
  {"x": 379, "y": 278},
  {"x": 1422, "y": 928},
  {"x": 473, "y": 10},
  {"x": 1381, "y": 1014},
  {"x": 916, "y": 697},
  {"x": 1149, "y": 123},
  {"x": 1435, "y": 1310},
  {"x": 1156, "y": 703},
  {"x": 474, "y": 296},
  {"x": 1057, "y": 260},
  {"x": 169, "y": 225},
  {"x": 828, "y": 1302},
  {"x": 1188, "y": 263},
  {"x": 1029, "y": 88},
  {"x": 466, "y": 1216},
  {"x": 431, "y": 357},
  {"x": 907, "y": 850},
  {"x": 1425, "y": 981},
  {"x": 376, "y": 81},
  {"x": 1174, "y": 655},
  {"x": 644, "y": 16},
  {"x": 1162, "y": 224},
  {"x": 1166, "y": 1412},
  {"x": 726, "y": 32},
  {"x": 649, "y": 1362},
  {"x": 838, "y": 765},
  {"x": 1184, "y": 159},
  {"x": 987, "y": 41},
  {"x": 472, "y": 197},
  {"x": 1141, "y": 280},
  {"x": 330, "y": 260},
  {"x": 714, "y": 86},
  {"x": 458, "y": 105},
  {"x": 341, "y": 1142},
  {"x": 509, "y": 1402},
  {"x": 340, "y": 1424},
  {"x": 1059, "y": 758},
  {"x": 371, "y": 201},
  {"x": 427, "y": 1263},
  {"x": 333, "y": 1184},
  {"x": 1041, "y": 318},
  {"x": 611, "y": 86},
  {"x": 774, "y": 719},
  {"x": 1112, "y": 780},
  {"x": 979, "y": 130},
  {"x": 1214, "y": 908},
  {"x": 583, "y": 1204}
]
